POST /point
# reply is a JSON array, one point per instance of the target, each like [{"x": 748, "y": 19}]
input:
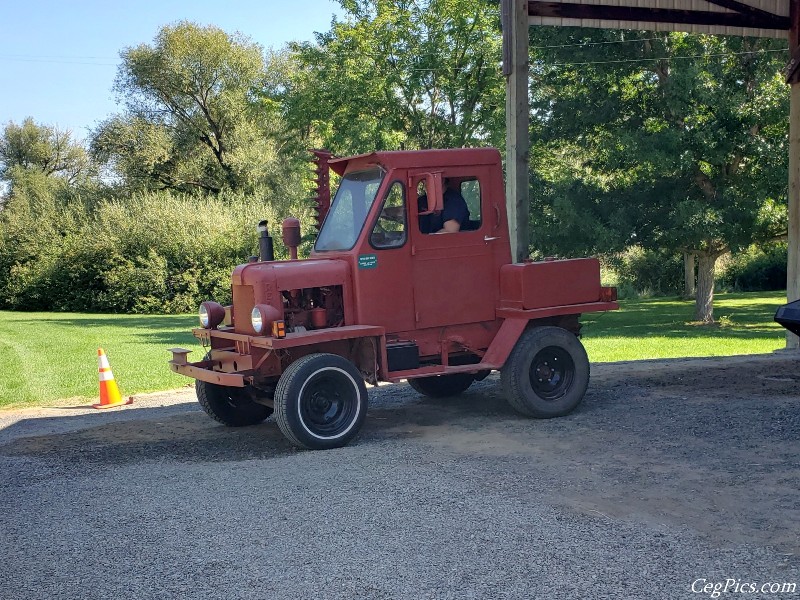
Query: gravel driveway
[{"x": 669, "y": 473}]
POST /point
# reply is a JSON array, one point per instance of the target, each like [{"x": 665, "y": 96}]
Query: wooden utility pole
[
  {"x": 515, "y": 68},
  {"x": 793, "y": 72}
]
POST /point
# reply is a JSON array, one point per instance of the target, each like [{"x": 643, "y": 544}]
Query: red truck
[{"x": 380, "y": 300}]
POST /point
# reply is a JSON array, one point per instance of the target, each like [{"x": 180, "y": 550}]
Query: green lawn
[
  {"x": 663, "y": 328},
  {"x": 52, "y": 357}
]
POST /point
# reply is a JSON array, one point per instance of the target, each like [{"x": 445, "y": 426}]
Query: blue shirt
[{"x": 454, "y": 209}]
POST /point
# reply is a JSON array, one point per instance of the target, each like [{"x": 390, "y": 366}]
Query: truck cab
[
  {"x": 384, "y": 296},
  {"x": 411, "y": 281}
]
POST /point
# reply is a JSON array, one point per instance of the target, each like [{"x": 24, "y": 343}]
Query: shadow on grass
[
  {"x": 744, "y": 317},
  {"x": 674, "y": 319},
  {"x": 126, "y": 321},
  {"x": 157, "y": 329}
]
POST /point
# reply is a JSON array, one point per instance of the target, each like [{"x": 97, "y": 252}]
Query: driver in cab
[{"x": 451, "y": 218}]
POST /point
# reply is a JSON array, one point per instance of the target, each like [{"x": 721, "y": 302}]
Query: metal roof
[
  {"x": 413, "y": 159},
  {"x": 760, "y": 18}
]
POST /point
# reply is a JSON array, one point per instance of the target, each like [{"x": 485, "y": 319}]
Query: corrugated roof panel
[
  {"x": 777, "y": 7},
  {"x": 710, "y": 29}
]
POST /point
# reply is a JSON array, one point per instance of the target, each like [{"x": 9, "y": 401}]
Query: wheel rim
[
  {"x": 329, "y": 403},
  {"x": 552, "y": 372},
  {"x": 237, "y": 398}
]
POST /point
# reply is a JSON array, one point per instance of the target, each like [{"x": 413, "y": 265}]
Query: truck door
[
  {"x": 455, "y": 275},
  {"x": 382, "y": 269}
]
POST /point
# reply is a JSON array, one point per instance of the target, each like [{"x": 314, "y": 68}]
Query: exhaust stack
[{"x": 265, "y": 249}]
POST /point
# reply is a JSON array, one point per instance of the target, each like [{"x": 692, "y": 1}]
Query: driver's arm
[
  {"x": 454, "y": 212},
  {"x": 451, "y": 226}
]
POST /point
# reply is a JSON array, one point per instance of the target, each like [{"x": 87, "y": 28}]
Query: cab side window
[
  {"x": 390, "y": 228},
  {"x": 461, "y": 204},
  {"x": 471, "y": 191}
]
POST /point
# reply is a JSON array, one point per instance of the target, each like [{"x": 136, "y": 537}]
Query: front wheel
[
  {"x": 320, "y": 401},
  {"x": 232, "y": 406},
  {"x": 546, "y": 374}
]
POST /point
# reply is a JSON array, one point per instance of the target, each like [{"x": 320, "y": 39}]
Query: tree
[
  {"x": 43, "y": 148},
  {"x": 193, "y": 117},
  {"x": 668, "y": 141},
  {"x": 689, "y": 275},
  {"x": 397, "y": 73}
]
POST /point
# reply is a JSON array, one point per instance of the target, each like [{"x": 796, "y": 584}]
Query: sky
[{"x": 58, "y": 59}]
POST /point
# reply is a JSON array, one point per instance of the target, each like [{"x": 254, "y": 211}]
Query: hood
[{"x": 292, "y": 274}]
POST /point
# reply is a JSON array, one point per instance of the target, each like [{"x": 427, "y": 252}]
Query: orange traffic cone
[{"x": 109, "y": 392}]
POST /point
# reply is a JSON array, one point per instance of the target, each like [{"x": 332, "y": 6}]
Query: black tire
[
  {"x": 232, "y": 406},
  {"x": 321, "y": 401},
  {"x": 546, "y": 374},
  {"x": 441, "y": 386}
]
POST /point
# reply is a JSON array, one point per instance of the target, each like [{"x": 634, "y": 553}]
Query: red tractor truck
[{"x": 380, "y": 300}]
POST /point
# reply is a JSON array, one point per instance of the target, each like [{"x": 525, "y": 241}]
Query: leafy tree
[
  {"x": 400, "y": 73},
  {"x": 666, "y": 141},
  {"x": 42, "y": 148},
  {"x": 193, "y": 117},
  {"x": 36, "y": 215}
]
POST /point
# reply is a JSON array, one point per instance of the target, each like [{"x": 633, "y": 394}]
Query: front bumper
[
  {"x": 203, "y": 370},
  {"x": 237, "y": 358}
]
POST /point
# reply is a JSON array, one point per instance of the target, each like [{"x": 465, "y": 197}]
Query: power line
[
  {"x": 665, "y": 58},
  {"x": 59, "y": 56},
  {"x": 60, "y": 60},
  {"x": 80, "y": 59},
  {"x": 597, "y": 43},
  {"x": 609, "y": 62}
]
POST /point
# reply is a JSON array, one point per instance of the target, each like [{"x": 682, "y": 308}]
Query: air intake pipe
[{"x": 290, "y": 229}]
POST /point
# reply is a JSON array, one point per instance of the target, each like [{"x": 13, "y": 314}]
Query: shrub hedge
[
  {"x": 757, "y": 269},
  {"x": 647, "y": 273},
  {"x": 639, "y": 272},
  {"x": 161, "y": 252},
  {"x": 157, "y": 252}
]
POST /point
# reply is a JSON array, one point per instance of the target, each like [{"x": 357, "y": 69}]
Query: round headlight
[
  {"x": 256, "y": 320},
  {"x": 262, "y": 318},
  {"x": 211, "y": 314},
  {"x": 203, "y": 314}
]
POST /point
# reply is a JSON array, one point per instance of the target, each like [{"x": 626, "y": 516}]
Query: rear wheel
[
  {"x": 232, "y": 406},
  {"x": 546, "y": 374},
  {"x": 320, "y": 401},
  {"x": 441, "y": 386}
]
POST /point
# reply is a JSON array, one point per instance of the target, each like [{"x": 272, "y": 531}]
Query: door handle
[{"x": 486, "y": 238}]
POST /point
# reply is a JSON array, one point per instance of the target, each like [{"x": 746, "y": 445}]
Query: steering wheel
[{"x": 384, "y": 237}]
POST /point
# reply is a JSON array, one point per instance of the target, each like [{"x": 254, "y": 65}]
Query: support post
[
  {"x": 515, "y": 68},
  {"x": 793, "y": 266}
]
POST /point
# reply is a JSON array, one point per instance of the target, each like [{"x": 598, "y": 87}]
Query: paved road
[{"x": 669, "y": 472}]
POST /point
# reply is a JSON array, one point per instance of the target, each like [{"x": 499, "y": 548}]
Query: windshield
[{"x": 349, "y": 210}]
